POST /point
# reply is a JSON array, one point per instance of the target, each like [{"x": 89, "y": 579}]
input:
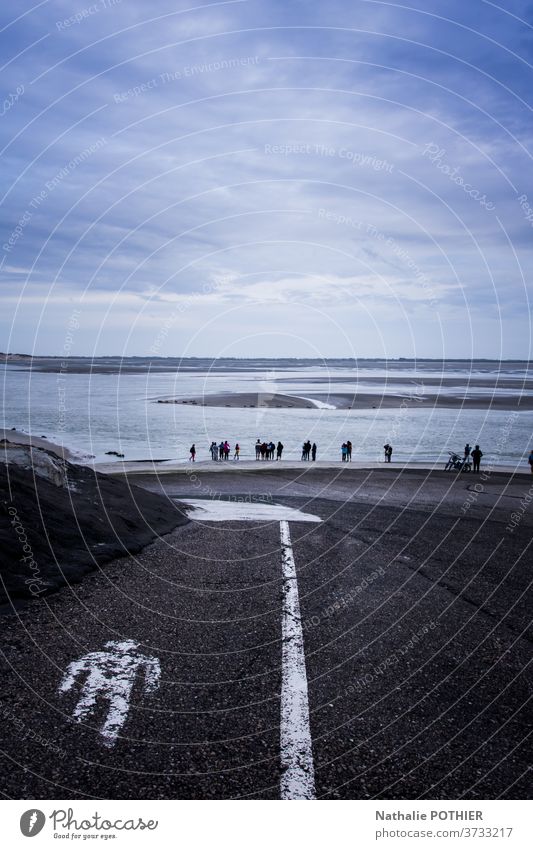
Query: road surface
[{"x": 413, "y": 619}]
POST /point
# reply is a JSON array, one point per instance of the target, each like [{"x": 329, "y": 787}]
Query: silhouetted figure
[
  {"x": 214, "y": 451},
  {"x": 264, "y": 449},
  {"x": 313, "y": 452},
  {"x": 344, "y": 452},
  {"x": 476, "y": 454},
  {"x": 193, "y": 453},
  {"x": 389, "y": 453},
  {"x": 386, "y": 451},
  {"x": 226, "y": 450},
  {"x": 258, "y": 449},
  {"x": 271, "y": 449},
  {"x": 237, "y": 451},
  {"x": 349, "y": 455},
  {"x": 279, "y": 450},
  {"x": 468, "y": 449},
  {"x": 221, "y": 451}
]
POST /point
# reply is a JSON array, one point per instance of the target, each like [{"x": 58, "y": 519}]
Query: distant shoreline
[
  {"x": 13, "y": 356},
  {"x": 115, "y": 364}
]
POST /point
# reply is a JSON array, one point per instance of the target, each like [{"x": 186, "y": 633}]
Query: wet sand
[
  {"x": 245, "y": 399},
  {"x": 360, "y": 401},
  {"x": 18, "y": 437}
]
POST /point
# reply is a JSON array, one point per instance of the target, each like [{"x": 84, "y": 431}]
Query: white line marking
[{"x": 298, "y": 773}]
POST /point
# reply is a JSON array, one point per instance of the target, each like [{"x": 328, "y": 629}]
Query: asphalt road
[{"x": 414, "y": 613}]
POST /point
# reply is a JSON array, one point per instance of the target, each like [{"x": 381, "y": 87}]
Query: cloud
[{"x": 282, "y": 147}]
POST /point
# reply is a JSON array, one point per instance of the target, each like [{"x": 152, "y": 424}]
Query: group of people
[
  {"x": 309, "y": 451},
  {"x": 346, "y": 452},
  {"x": 475, "y": 453},
  {"x": 222, "y": 451},
  {"x": 266, "y": 450}
]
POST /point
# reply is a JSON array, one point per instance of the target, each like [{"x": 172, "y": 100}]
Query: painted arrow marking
[
  {"x": 215, "y": 510},
  {"x": 110, "y": 676}
]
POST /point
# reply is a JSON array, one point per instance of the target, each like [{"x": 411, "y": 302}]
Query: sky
[{"x": 264, "y": 178}]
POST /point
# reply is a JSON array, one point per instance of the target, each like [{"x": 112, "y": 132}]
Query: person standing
[
  {"x": 237, "y": 451},
  {"x": 313, "y": 452},
  {"x": 263, "y": 451},
  {"x": 389, "y": 453},
  {"x": 386, "y": 451},
  {"x": 226, "y": 450},
  {"x": 349, "y": 455},
  {"x": 468, "y": 449},
  {"x": 344, "y": 452},
  {"x": 193, "y": 453},
  {"x": 279, "y": 450},
  {"x": 477, "y": 454},
  {"x": 214, "y": 451},
  {"x": 221, "y": 451},
  {"x": 258, "y": 449}
]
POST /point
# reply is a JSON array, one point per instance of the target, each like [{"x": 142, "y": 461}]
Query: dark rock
[{"x": 64, "y": 533}]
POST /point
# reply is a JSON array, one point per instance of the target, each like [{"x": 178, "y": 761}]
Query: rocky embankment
[{"x": 59, "y": 521}]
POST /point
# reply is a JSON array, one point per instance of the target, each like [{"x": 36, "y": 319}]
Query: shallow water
[{"x": 96, "y": 413}]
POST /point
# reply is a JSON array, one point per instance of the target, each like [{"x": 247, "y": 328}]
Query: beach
[
  {"x": 411, "y": 585},
  {"x": 336, "y": 400},
  {"x": 103, "y": 407}
]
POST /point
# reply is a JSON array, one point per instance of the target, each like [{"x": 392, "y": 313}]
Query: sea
[{"x": 100, "y": 405}]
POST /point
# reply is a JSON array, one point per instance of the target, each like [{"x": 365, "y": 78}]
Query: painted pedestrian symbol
[{"x": 110, "y": 676}]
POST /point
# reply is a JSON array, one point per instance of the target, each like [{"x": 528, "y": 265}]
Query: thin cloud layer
[{"x": 353, "y": 179}]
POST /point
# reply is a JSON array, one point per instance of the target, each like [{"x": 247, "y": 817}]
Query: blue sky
[{"x": 267, "y": 178}]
